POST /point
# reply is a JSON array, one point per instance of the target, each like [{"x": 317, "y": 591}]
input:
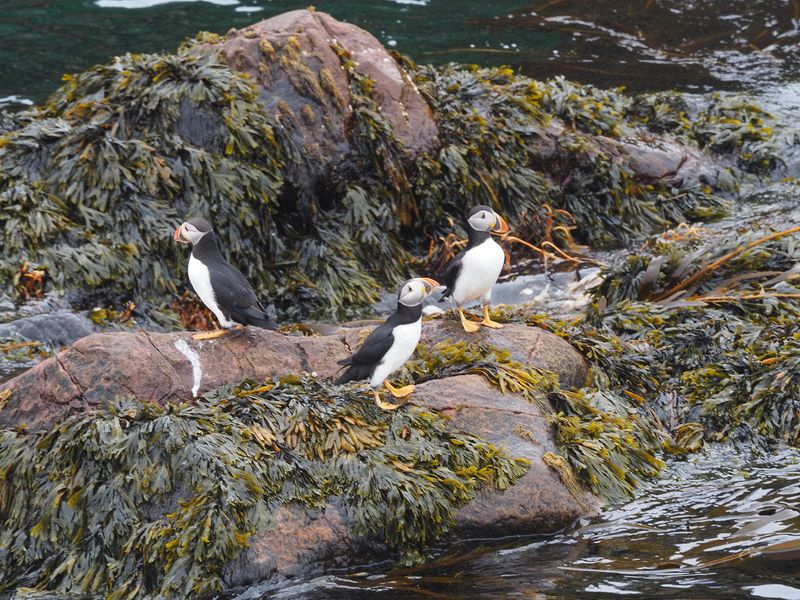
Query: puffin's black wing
[
  {"x": 236, "y": 297},
  {"x": 364, "y": 361},
  {"x": 450, "y": 274}
]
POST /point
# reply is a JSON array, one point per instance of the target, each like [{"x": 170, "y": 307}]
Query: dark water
[
  {"x": 696, "y": 45},
  {"x": 678, "y": 539}
]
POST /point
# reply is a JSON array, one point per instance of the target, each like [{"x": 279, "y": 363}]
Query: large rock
[
  {"x": 305, "y": 542},
  {"x": 174, "y": 368},
  {"x": 296, "y": 59},
  {"x": 529, "y": 345}
]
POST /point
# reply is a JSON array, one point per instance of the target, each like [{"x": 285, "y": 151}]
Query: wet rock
[
  {"x": 303, "y": 542},
  {"x": 9, "y": 310},
  {"x": 307, "y": 542},
  {"x": 56, "y": 329},
  {"x": 174, "y": 368},
  {"x": 789, "y": 151},
  {"x": 6, "y": 306},
  {"x": 659, "y": 160}
]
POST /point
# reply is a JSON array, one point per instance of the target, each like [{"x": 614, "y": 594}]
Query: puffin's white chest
[
  {"x": 200, "y": 279},
  {"x": 406, "y": 338},
  {"x": 480, "y": 269}
]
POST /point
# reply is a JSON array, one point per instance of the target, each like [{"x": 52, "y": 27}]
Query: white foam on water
[{"x": 15, "y": 100}]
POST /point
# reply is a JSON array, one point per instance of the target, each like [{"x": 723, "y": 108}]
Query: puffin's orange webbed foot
[
  {"x": 210, "y": 335},
  {"x": 487, "y": 321},
  {"x": 382, "y": 404},
  {"x": 469, "y": 326},
  {"x": 399, "y": 392}
]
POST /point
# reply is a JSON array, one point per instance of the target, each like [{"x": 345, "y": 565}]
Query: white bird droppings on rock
[{"x": 194, "y": 359}]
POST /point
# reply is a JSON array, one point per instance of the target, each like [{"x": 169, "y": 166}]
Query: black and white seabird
[
  {"x": 391, "y": 344},
  {"x": 471, "y": 274},
  {"x": 220, "y": 285}
]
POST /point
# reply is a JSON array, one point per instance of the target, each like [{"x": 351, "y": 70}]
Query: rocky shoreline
[
  {"x": 144, "y": 464},
  {"x": 171, "y": 370}
]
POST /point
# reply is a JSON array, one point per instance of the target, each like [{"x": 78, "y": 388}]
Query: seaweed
[
  {"x": 729, "y": 122},
  {"x": 502, "y": 146},
  {"x": 609, "y": 441},
  {"x": 699, "y": 266},
  {"x": 449, "y": 358},
  {"x": 17, "y": 351},
  {"x": 92, "y": 181},
  {"x": 139, "y": 500},
  {"x": 608, "y": 436},
  {"x": 716, "y": 317}
]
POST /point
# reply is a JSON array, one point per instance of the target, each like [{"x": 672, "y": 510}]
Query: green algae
[{"x": 140, "y": 501}]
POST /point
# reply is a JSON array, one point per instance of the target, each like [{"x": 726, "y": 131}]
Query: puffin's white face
[
  {"x": 485, "y": 219},
  {"x": 413, "y": 291},
  {"x": 192, "y": 231}
]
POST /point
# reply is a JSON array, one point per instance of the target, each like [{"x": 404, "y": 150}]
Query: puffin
[
  {"x": 220, "y": 285},
  {"x": 473, "y": 272},
  {"x": 391, "y": 344}
]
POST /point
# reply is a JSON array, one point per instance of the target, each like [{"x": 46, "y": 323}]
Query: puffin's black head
[
  {"x": 192, "y": 231},
  {"x": 413, "y": 291},
  {"x": 483, "y": 218}
]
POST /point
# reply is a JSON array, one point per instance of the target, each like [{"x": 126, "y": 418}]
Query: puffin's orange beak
[
  {"x": 430, "y": 284},
  {"x": 178, "y": 236},
  {"x": 500, "y": 225}
]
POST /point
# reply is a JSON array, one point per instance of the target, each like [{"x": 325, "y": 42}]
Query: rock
[
  {"x": 294, "y": 58},
  {"x": 56, "y": 329},
  {"x": 173, "y": 367},
  {"x": 659, "y": 160},
  {"x": 307, "y": 542},
  {"x": 529, "y": 345},
  {"x": 303, "y": 542}
]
